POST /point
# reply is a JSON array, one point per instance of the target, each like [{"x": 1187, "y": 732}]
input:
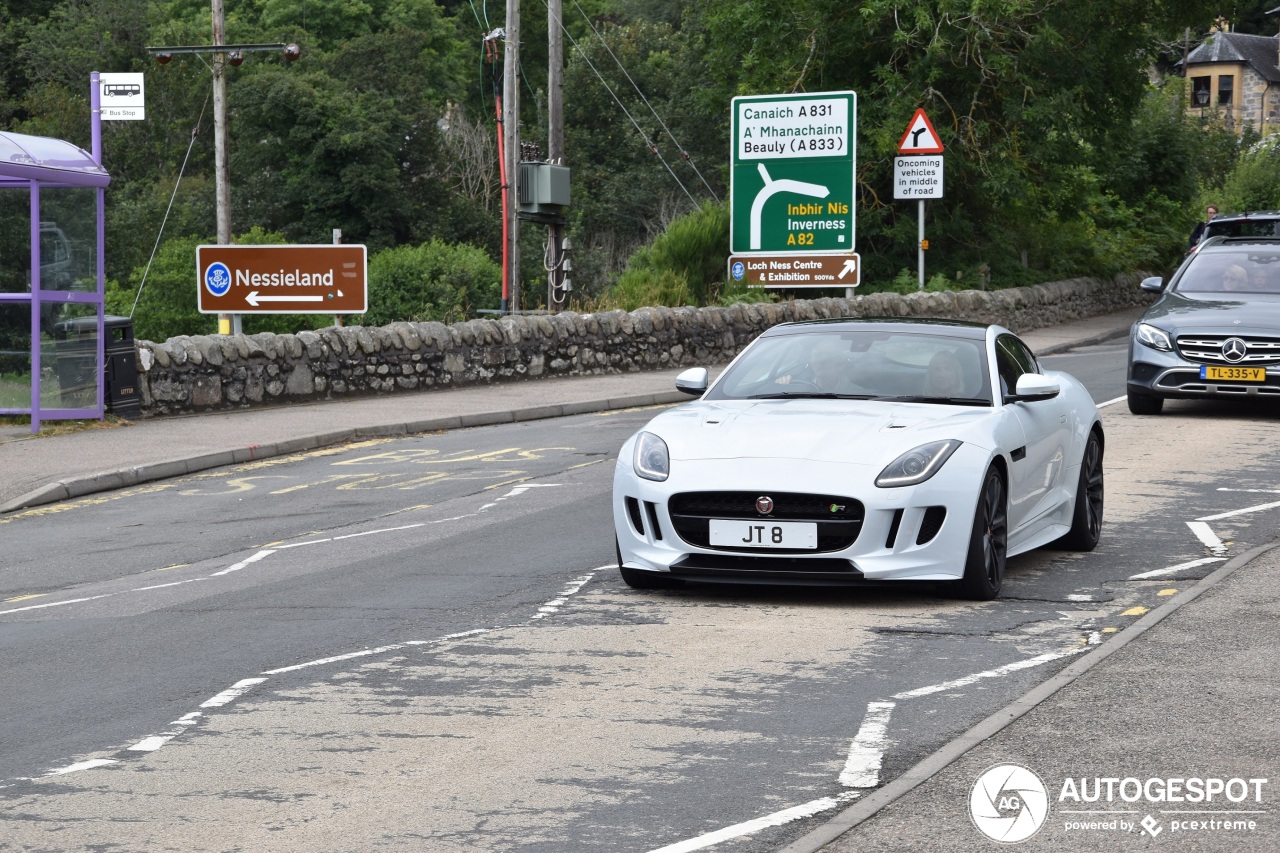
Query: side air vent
[
  {"x": 932, "y": 523},
  {"x": 893, "y": 529},
  {"x": 633, "y": 510}
]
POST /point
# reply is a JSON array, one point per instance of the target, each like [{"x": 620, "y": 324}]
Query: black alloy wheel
[
  {"x": 988, "y": 543},
  {"x": 1086, "y": 521}
]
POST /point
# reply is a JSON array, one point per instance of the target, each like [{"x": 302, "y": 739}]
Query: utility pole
[
  {"x": 228, "y": 324},
  {"x": 555, "y": 139},
  {"x": 511, "y": 143}
]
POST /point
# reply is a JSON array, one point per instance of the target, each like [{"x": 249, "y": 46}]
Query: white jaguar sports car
[{"x": 847, "y": 451}]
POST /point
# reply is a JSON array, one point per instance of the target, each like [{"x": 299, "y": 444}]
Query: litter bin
[{"x": 77, "y": 355}]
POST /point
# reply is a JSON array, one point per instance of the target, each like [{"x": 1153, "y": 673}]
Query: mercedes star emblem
[{"x": 1233, "y": 350}]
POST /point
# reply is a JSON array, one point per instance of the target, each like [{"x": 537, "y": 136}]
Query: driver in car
[{"x": 829, "y": 372}]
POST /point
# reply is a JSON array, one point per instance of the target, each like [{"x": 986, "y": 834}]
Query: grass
[{"x": 50, "y": 428}]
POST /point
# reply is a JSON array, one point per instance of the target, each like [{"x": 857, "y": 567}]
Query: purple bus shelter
[{"x": 51, "y": 279}]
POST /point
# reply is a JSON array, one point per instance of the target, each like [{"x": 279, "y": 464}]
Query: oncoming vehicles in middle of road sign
[{"x": 841, "y": 452}]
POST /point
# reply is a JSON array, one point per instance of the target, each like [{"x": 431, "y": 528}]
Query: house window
[
  {"x": 1200, "y": 91},
  {"x": 1225, "y": 85}
]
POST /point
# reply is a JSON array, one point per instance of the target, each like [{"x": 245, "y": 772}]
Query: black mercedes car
[{"x": 1215, "y": 331}]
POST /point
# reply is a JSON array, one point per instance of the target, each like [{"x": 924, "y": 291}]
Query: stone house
[{"x": 1236, "y": 77}]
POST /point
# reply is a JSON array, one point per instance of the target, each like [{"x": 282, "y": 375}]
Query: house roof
[{"x": 1261, "y": 53}]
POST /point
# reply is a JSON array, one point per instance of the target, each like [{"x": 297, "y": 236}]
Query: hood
[
  {"x": 821, "y": 430},
  {"x": 1245, "y": 314}
]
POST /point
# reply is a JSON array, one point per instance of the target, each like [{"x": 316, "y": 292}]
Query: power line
[
  {"x": 165, "y": 220},
  {"x": 679, "y": 147},
  {"x": 647, "y": 141}
]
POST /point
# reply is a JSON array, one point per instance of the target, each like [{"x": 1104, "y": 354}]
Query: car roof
[
  {"x": 953, "y": 328},
  {"x": 1248, "y": 214},
  {"x": 1218, "y": 245}
]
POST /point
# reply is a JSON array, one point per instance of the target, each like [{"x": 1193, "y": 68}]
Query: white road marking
[
  {"x": 1079, "y": 597},
  {"x": 747, "y": 828},
  {"x": 245, "y": 562},
  {"x": 866, "y": 753},
  {"x": 336, "y": 658},
  {"x": 553, "y": 606},
  {"x": 1175, "y": 569},
  {"x": 1235, "y": 512},
  {"x": 1110, "y": 402},
  {"x": 519, "y": 490},
  {"x": 163, "y": 585},
  {"x": 1208, "y": 537},
  {"x": 81, "y": 765},
  {"x": 382, "y": 530},
  {"x": 990, "y": 673},
  {"x": 56, "y": 603},
  {"x": 151, "y": 744},
  {"x": 231, "y": 693},
  {"x": 1251, "y": 491}
]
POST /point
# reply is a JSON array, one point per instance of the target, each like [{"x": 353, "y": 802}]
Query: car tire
[
  {"x": 1086, "y": 520},
  {"x": 1145, "y": 404},
  {"x": 988, "y": 542}
]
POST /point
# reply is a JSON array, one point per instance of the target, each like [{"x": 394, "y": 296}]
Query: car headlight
[
  {"x": 651, "y": 461},
  {"x": 916, "y": 466},
  {"x": 1154, "y": 338}
]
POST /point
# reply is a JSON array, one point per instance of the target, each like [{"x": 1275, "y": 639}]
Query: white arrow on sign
[
  {"x": 785, "y": 185},
  {"x": 849, "y": 266},
  {"x": 253, "y": 298}
]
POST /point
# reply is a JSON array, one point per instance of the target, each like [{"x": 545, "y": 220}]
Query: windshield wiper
[
  {"x": 811, "y": 395},
  {"x": 955, "y": 401}
]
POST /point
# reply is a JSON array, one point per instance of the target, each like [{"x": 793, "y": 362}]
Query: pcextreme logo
[{"x": 1010, "y": 803}]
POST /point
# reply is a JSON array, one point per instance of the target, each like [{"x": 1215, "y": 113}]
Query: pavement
[{"x": 1156, "y": 701}]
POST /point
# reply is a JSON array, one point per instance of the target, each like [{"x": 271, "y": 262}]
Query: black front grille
[
  {"x": 839, "y": 519},
  {"x": 1207, "y": 349}
]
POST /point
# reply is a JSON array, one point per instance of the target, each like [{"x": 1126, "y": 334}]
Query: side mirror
[
  {"x": 693, "y": 381},
  {"x": 1033, "y": 387},
  {"x": 1155, "y": 284}
]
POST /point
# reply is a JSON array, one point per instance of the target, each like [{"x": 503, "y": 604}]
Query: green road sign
[{"x": 792, "y": 182}]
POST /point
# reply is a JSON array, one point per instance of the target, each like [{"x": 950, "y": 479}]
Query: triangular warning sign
[{"x": 920, "y": 137}]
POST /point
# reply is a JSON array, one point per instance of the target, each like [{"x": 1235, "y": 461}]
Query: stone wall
[{"x": 204, "y": 373}]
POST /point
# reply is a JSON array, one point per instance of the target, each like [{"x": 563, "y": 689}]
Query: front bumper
[
  {"x": 1157, "y": 373},
  {"x": 900, "y": 537}
]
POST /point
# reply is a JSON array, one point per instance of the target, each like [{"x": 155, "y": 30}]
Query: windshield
[
  {"x": 1248, "y": 269},
  {"x": 1241, "y": 228},
  {"x": 913, "y": 367}
]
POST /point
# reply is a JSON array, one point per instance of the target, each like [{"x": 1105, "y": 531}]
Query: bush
[
  {"x": 1254, "y": 183},
  {"x": 694, "y": 251},
  {"x": 643, "y": 288},
  {"x": 433, "y": 281}
]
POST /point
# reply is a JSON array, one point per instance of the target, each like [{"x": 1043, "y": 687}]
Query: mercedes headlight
[
  {"x": 916, "y": 466},
  {"x": 652, "y": 461},
  {"x": 1154, "y": 338}
]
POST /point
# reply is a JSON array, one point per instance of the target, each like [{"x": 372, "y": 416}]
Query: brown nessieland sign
[{"x": 321, "y": 279}]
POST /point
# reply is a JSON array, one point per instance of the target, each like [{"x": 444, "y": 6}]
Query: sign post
[
  {"x": 793, "y": 164},
  {"x": 918, "y": 176},
  {"x": 320, "y": 279}
]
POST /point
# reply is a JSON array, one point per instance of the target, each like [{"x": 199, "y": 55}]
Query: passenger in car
[
  {"x": 1262, "y": 280},
  {"x": 1235, "y": 279},
  {"x": 944, "y": 377}
]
